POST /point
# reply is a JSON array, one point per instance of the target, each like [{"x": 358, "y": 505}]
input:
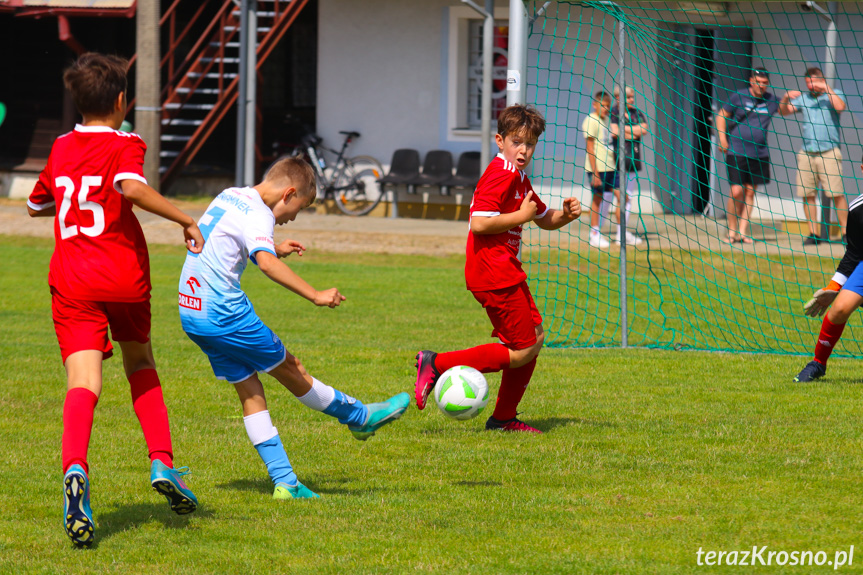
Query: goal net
[{"x": 694, "y": 280}]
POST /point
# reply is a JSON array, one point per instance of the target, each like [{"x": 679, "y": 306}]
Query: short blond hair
[
  {"x": 630, "y": 91},
  {"x": 296, "y": 172}
]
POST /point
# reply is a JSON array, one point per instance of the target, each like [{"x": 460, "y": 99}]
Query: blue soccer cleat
[
  {"x": 77, "y": 515},
  {"x": 298, "y": 491},
  {"x": 169, "y": 483},
  {"x": 811, "y": 372},
  {"x": 380, "y": 414}
]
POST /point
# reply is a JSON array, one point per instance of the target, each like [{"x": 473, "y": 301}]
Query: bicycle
[{"x": 351, "y": 182}]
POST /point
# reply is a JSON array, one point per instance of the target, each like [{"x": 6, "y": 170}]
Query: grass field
[{"x": 647, "y": 456}]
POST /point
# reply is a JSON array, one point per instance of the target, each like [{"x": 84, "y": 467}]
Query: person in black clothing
[
  {"x": 844, "y": 292},
  {"x": 634, "y": 128}
]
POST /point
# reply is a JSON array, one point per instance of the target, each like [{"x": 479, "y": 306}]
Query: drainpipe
[
  {"x": 830, "y": 77},
  {"x": 65, "y": 33}
]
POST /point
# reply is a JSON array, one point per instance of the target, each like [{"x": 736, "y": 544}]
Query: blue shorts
[
  {"x": 610, "y": 181},
  {"x": 855, "y": 281},
  {"x": 238, "y": 355}
]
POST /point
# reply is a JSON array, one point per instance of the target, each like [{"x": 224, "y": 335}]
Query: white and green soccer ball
[{"x": 461, "y": 392}]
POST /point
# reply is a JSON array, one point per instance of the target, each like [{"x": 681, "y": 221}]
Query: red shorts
[
  {"x": 513, "y": 315},
  {"x": 83, "y": 325}
]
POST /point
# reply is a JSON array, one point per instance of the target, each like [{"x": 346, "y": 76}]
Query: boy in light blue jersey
[{"x": 217, "y": 315}]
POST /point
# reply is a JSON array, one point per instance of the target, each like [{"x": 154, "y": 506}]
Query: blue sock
[
  {"x": 276, "y": 460},
  {"x": 348, "y": 410}
]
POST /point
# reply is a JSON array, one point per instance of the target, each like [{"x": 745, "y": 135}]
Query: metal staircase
[{"x": 202, "y": 88}]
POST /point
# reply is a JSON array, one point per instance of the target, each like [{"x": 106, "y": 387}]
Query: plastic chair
[
  {"x": 405, "y": 166},
  {"x": 466, "y": 174},
  {"x": 437, "y": 168}
]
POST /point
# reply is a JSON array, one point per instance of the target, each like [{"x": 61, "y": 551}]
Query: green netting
[{"x": 685, "y": 287}]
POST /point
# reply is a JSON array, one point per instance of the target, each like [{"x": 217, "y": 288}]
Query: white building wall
[{"x": 379, "y": 73}]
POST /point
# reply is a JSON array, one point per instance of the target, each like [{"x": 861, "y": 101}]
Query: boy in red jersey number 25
[
  {"x": 100, "y": 278},
  {"x": 502, "y": 203}
]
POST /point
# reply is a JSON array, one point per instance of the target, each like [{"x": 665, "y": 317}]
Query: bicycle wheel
[{"x": 358, "y": 192}]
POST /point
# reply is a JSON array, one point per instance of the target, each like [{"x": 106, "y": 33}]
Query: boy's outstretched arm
[
  {"x": 288, "y": 247},
  {"x": 285, "y": 277},
  {"x": 503, "y": 222},
  {"x": 149, "y": 199},
  {"x": 556, "y": 219}
]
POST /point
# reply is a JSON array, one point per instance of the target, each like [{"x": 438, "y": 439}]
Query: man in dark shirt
[
  {"x": 634, "y": 127},
  {"x": 844, "y": 292},
  {"x": 742, "y": 125}
]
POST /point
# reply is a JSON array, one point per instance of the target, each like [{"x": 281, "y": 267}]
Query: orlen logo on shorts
[{"x": 190, "y": 302}]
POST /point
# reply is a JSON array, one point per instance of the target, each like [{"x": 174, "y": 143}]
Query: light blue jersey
[
  {"x": 821, "y": 127},
  {"x": 236, "y": 225}
]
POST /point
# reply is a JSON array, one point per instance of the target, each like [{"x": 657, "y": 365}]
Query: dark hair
[
  {"x": 519, "y": 118},
  {"x": 298, "y": 172},
  {"x": 814, "y": 72},
  {"x": 95, "y": 80},
  {"x": 601, "y": 95}
]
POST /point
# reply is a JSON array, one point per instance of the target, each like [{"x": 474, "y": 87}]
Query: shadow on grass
[
  {"x": 133, "y": 516},
  {"x": 259, "y": 485},
  {"x": 546, "y": 424},
  {"x": 328, "y": 486},
  {"x": 842, "y": 381},
  {"x": 435, "y": 431},
  {"x": 478, "y": 483}
]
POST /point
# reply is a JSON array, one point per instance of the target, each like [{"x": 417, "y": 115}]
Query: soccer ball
[{"x": 461, "y": 392}]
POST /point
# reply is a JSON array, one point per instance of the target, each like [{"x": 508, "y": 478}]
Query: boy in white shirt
[
  {"x": 217, "y": 315},
  {"x": 599, "y": 163}
]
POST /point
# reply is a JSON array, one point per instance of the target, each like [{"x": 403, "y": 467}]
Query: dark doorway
[
  {"x": 38, "y": 109},
  {"x": 707, "y": 65},
  {"x": 702, "y": 121}
]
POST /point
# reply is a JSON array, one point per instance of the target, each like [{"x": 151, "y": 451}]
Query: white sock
[
  {"x": 631, "y": 185},
  {"x": 259, "y": 426},
  {"x": 319, "y": 397},
  {"x": 605, "y": 206}
]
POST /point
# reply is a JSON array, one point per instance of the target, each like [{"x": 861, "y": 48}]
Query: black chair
[
  {"x": 437, "y": 168},
  {"x": 405, "y": 166},
  {"x": 466, "y": 174}
]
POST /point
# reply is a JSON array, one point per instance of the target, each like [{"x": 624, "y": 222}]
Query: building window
[
  {"x": 474, "y": 71},
  {"x": 464, "y": 71}
]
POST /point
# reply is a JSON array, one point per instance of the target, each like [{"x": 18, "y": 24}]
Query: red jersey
[
  {"x": 100, "y": 253},
  {"x": 493, "y": 260}
]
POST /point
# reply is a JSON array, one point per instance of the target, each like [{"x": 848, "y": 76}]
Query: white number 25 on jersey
[{"x": 70, "y": 230}]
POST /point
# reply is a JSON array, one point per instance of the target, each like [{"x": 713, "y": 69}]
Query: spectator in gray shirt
[{"x": 742, "y": 125}]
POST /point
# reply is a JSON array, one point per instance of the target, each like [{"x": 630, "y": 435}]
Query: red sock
[
  {"x": 830, "y": 334},
  {"x": 152, "y": 414},
  {"x": 77, "y": 426},
  {"x": 485, "y": 358},
  {"x": 513, "y": 384}
]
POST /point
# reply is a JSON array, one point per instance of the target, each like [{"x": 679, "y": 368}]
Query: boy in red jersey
[
  {"x": 100, "y": 278},
  {"x": 503, "y": 202}
]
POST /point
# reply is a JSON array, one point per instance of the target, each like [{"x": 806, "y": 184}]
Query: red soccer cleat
[
  {"x": 427, "y": 376},
  {"x": 513, "y": 424}
]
